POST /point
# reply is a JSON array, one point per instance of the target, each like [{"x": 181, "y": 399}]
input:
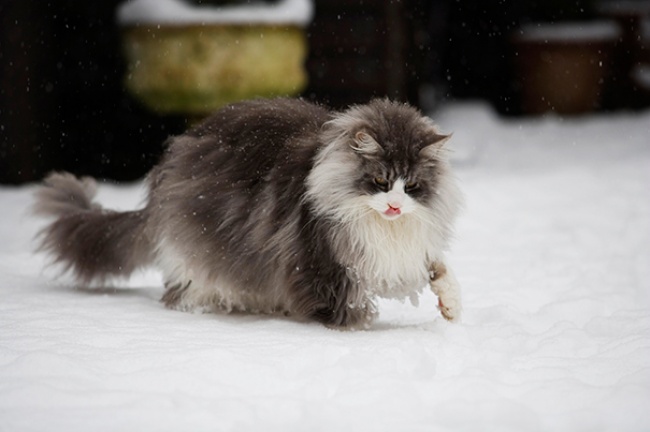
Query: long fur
[
  {"x": 270, "y": 206},
  {"x": 95, "y": 244}
]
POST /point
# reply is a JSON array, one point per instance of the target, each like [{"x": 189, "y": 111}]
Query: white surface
[
  {"x": 178, "y": 12},
  {"x": 553, "y": 253}
]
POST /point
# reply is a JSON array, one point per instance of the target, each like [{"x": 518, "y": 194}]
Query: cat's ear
[
  {"x": 364, "y": 143},
  {"x": 435, "y": 143}
]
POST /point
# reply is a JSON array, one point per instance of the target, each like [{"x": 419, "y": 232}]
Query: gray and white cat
[{"x": 278, "y": 206}]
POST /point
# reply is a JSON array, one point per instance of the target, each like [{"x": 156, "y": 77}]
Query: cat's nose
[{"x": 394, "y": 200}]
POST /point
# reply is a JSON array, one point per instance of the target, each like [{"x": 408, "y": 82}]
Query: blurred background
[{"x": 64, "y": 104}]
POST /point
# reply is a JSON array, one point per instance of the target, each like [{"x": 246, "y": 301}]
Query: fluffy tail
[{"x": 93, "y": 243}]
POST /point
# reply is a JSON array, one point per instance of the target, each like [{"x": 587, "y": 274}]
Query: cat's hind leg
[
  {"x": 333, "y": 299},
  {"x": 444, "y": 284},
  {"x": 174, "y": 293},
  {"x": 207, "y": 295}
]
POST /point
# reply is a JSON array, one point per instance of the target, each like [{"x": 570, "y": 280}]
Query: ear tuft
[
  {"x": 437, "y": 141},
  {"x": 364, "y": 143},
  {"x": 440, "y": 139}
]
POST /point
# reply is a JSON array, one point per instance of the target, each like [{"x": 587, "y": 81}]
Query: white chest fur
[{"x": 391, "y": 258}]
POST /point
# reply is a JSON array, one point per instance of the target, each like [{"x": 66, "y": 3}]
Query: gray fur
[
  {"x": 93, "y": 243},
  {"x": 237, "y": 218}
]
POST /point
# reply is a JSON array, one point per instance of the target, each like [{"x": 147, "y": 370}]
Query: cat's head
[{"x": 383, "y": 157}]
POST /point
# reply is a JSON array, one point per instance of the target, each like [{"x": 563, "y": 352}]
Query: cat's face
[
  {"x": 397, "y": 174},
  {"x": 383, "y": 158},
  {"x": 392, "y": 201}
]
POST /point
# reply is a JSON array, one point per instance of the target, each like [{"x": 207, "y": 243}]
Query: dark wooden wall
[
  {"x": 63, "y": 106},
  {"x": 62, "y": 103},
  {"x": 365, "y": 49}
]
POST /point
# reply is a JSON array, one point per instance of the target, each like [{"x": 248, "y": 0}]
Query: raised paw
[
  {"x": 450, "y": 312},
  {"x": 444, "y": 285}
]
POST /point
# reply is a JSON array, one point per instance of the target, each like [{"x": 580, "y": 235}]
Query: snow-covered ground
[{"x": 553, "y": 252}]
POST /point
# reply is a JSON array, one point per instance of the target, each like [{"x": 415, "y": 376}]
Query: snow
[
  {"x": 178, "y": 12},
  {"x": 553, "y": 253}
]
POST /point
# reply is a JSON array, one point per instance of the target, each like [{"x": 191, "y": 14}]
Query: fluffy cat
[{"x": 278, "y": 206}]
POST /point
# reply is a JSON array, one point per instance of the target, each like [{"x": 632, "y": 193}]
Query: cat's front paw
[
  {"x": 444, "y": 285},
  {"x": 450, "y": 309}
]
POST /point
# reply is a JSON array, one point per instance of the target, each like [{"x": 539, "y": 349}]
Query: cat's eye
[
  {"x": 410, "y": 186},
  {"x": 380, "y": 181}
]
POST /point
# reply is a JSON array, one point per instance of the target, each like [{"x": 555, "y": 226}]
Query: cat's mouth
[{"x": 392, "y": 212}]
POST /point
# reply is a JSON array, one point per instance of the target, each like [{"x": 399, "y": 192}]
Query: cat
[{"x": 278, "y": 206}]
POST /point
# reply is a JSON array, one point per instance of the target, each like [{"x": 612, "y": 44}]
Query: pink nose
[{"x": 394, "y": 200}]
